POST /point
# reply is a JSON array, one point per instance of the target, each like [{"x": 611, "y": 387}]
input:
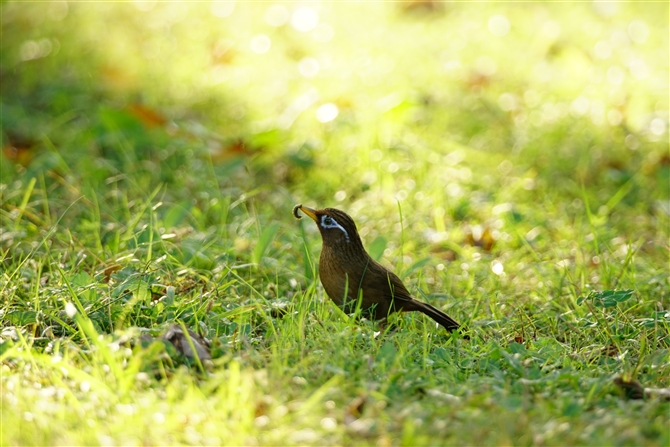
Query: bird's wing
[{"x": 390, "y": 286}]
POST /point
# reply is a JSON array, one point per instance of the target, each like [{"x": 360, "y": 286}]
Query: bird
[{"x": 353, "y": 280}]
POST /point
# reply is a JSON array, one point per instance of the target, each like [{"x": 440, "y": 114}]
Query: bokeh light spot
[
  {"x": 638, "y": 31},
  {"x": 453, "y": 68},
  {"x": 499, "y": 25},
  {"x": 632, "y": 143},
  {"x": 615, "y": 75},
  {"x": 597, "y": 114},
  {"x": 619, "y": 39},
  {"x": 58, "y": 10},
  {"x": 606, "y": 9},
  {"x": 29, "y": 50},
  {"x": 145, "y": 5},
  {"x": 505, "y": 167},
  {"x": 507, "y": 102},
  {"x": 497, "y": 267},
  {"x": 579, "y": 106},
  {"x": 486, "y": 66},
  {"x": 638, "y": 69},
  {"x": 198, "y": 29},
  {"x": 70, "y": 309},
  {"x": 158, "y": 418},
  {"x": 551, "y": 29},
  {"x": 323, "y": 33},
  {"x": 262, "y": 421},
  {"x": 531, "y": 98},
  {"x": 260, "y": 44},
  {"x": 276, "y": 15},
  {"x": 329, "y": 424},
  {"x": 375, "y": 155},
  {"x": 327, "y": 112},
  {"x": 657, "y": 126},
  {"x": 602, "y": 49},
  {"x": 223, "y": 9},
  {"x": 614, "y": 117},
  {"x": 35, "y": 50},
  {"x": 304, "y": 19},
  {"x": 308, "y": 67}
]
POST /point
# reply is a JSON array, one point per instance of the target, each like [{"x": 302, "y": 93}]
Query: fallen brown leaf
[
  {"x": 634, "y": 390},
  {"x": 355, "y": 409},
  {"x": 480, "y": 238},
  {"x": 147, "y": 116}
]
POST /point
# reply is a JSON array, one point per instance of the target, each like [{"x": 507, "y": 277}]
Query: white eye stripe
[{"x": 329, "y": 222}]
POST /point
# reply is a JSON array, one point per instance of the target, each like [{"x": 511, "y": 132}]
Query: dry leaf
[
  {"x": 226, "y": 152},
  {"x": 610, "y": 351},
  {"x": 355, "y": 409},
  {"x": 19, "y": 149},
  {"x": 479, "y": 238},
  {"x": 148, "y": 117},
  {"x": 422, "y": 5},
  {"x": 634, "y": 390},
  {"x": 110, "y": 270}
]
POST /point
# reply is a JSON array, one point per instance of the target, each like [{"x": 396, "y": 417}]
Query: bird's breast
[{"x": 340, "y": 276}]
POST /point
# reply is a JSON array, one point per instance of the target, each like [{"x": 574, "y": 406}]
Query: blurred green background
[
  {"x": 513, "y": 134},
  {"x": 481, "y": 123},
  {"x": 506, "y": 159},
  {"x": 361, "y": 102}
]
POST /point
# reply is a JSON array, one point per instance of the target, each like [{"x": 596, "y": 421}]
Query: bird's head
[{"x": 336, "y": 227}]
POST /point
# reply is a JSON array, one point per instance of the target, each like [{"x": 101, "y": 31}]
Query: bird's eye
[{"x": 328, "y": 222}]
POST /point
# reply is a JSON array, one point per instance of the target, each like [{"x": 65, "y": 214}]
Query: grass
[{"x": 519, "y": 180}]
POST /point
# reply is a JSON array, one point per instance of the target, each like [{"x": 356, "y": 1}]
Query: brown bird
[{"x": 347, "y": 270}]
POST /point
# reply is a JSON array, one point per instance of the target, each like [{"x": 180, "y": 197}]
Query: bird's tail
[{"x": 443, "y": 319}]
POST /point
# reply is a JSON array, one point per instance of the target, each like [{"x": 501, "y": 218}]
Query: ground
[{"x": 509, "y": 162}]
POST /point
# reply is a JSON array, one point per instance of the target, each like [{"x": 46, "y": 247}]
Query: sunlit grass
[{"x": 508, "y": 162}]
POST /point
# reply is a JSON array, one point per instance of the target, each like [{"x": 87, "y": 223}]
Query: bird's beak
[{"x": 308, "y": 211}]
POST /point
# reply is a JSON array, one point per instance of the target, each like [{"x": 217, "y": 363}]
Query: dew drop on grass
[{"x": 70, "y": 309}]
